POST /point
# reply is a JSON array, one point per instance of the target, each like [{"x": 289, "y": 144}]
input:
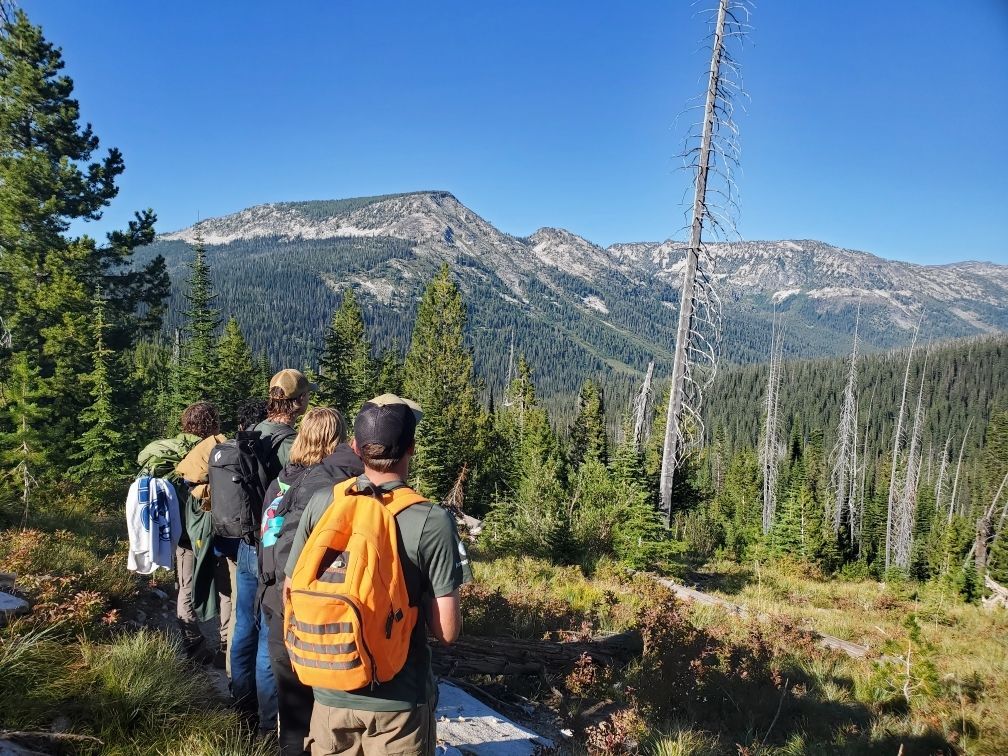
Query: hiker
[
  {"x": 251, "y": 412},
  {"x": 319, "y": 458},
  {"x": 236, "y": 522},
  {"x": 200, "y": 422},
  {"x": 380, "y": 696}
]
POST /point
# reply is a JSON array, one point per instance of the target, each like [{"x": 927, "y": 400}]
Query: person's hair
[
  {"x": 201, "y": 419},
  {"x": 321, "y": 431},
  {"x": 250, "y": 412},
  {"x": 374, "y": 457},
  {"x": 279, "y": 406}
]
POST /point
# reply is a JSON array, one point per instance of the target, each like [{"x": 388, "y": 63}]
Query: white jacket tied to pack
[{"x": 154, "y": 524}]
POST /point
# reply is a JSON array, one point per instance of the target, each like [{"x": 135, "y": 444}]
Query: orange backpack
[{"x": 349, "y": 620}]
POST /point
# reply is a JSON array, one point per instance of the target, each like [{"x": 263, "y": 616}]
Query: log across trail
[{"x": 699, "y": 597}]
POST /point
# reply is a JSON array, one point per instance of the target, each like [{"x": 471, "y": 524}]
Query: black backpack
[{"x": 240, "y": 471}]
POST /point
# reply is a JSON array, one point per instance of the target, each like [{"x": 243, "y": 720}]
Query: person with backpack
[
  {"x": 360, "y": 640},
  {"x": 160, "y": 459},
  {"x": 240, "y": 471},
  {"x": 320, "y": 457}
]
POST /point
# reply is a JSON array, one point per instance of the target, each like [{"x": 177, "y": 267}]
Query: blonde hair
[{"x": 322, "y": 430}]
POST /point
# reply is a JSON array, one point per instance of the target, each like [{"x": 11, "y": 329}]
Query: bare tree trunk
[
  {"x": 907, "y": 511},
  {"x": 673, "y": 432},
  {"x": 642, "y": 410},
  {"x": 942, "y": 468},
  {"x": 955, "y": 484},
  {"x": 897, "y": 444},
  {"x": 845, "y": 451},
  {"x": 770, "y": 451}
]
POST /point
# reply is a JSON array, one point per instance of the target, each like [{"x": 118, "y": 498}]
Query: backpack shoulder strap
[
  {"x": 404, "y": 500},
  {"x": 288, "y": 496}
]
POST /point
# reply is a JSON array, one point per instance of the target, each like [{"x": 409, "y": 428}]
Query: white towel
[{"x": 153, "y": 523}]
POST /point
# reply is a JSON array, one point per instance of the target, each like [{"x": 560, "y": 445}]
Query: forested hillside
[{"x": 575, "y": 309}]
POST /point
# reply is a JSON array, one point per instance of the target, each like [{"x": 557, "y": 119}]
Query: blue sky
[{"x": 876, "y": 126}]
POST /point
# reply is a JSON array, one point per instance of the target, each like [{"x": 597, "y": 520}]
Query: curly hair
[
  {"x": 201, "y": 419},
  {"x": 321, "y": 431},
  {"x": 251, "y": 412}
]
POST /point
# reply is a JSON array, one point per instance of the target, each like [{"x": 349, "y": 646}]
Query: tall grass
[{"x": 135, "y": 694}]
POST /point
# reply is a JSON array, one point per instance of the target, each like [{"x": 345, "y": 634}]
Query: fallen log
[
  {"x": 999, "y": 594},
  {"x": 513, "y": 656},
  {"x": 854, "y": 650}
]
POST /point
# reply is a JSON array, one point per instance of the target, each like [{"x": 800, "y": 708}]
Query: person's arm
[
  {"x": 445, "y": 614},
  {"x": 442, "y": 558}
]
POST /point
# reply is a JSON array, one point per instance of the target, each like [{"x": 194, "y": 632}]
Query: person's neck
[
  {"x": 381, "y": 478},
  {"x": 282, "y": 419}
]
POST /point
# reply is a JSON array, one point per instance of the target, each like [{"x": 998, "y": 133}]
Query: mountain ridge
[{"x": 569, "y": 301}]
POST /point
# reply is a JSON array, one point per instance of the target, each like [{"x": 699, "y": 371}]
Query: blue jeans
[{"x": 252, "y": 683}]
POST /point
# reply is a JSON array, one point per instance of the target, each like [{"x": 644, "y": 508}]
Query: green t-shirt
[
  {"x": 269, "y": 428},
  {"x": 437, "y": 563}
]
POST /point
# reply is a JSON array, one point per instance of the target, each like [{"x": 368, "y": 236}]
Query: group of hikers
[{"x": 326, "y": 570}]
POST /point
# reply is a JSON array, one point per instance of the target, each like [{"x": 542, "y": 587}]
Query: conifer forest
[{"x": 812, "y": 487}]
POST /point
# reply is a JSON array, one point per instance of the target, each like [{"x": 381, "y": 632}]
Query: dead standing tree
[
  {"x": 894, "y": 493},
  {"x": 771, "y": 449},
  {"x": 906, "y": 512},
  {"x": 844, "y": 473},
  {"x": 699, "y": 330},
  {"x": 642, "y": 410}
]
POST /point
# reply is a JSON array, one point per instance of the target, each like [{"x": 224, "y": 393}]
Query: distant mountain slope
[{"x": 575, "y": 308}]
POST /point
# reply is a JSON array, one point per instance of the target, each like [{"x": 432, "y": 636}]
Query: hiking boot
[{"x": 196, "y": 649}]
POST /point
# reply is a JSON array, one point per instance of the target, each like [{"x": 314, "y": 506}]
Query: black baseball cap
[{"x": 389, "y": 421}]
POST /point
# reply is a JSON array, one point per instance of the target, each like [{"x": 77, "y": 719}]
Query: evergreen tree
[
  {"x": 20, "y": 441},
  {"x": 347, "y": 371},
  {"x": 101, "y": 450},
  {"x": 198, "y": 360},
  {"x": 438, "y": 374},
  {"x": 237, "y": 374},
  {"x": 588, "y": 434},
  {"x": 49, "y": 180},
  {"x": 389, "y": 374}
]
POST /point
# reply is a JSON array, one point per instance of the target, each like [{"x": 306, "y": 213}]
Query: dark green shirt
[
  {"x": 268, "y": 428},
  {"x": 438, "y": 564}
]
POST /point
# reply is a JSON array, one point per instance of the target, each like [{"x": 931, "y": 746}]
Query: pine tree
[
  {"x": 389, "y": 374},
  {"x": 198, "y": 361},
  {"x": 100, "y": 451},
  {"x": 588, "y": 434},
  {"x": 438, "y": 374},
  {"x": 347, "y": 370},
  {"x": 50, "y": 179},
  {"x": 20, "y": 445},
  {"x": 237, "y": 374}
]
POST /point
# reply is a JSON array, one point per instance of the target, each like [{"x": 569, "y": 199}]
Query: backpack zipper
[{"x": 360, "y": 623}]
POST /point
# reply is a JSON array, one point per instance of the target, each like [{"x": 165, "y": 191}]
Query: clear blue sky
[{"x": 873, "y": 125}]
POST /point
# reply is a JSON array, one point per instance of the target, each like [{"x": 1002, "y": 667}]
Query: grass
[
  {"x": 708, "y": 683},
  {"x": 970, "y": 644},
  {"x": 747, "y": 668},
  {"x": 75, "y": 666}
]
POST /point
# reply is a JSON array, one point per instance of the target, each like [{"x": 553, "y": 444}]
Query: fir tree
[
  {"x": 101, "y": 452},
  {"x": 438, "y": 374},
  {"x": 20, "y": 440},
  {"x": 389, "y": 374},
  {"x": 346, "y": 376},
  {"x": 237, "y": 374},
  {"x": 49, "y": 179},
  {"x": 198, "y": 361},
  {"x": 588, "y": 434}
]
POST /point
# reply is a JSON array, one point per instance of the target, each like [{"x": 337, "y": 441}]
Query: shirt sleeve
[
  {"x": 313, "y": 511},
  {"x": 442, "y": 554}
]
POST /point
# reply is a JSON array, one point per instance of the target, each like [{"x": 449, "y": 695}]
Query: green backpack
[{"x": 160, "y": 457}]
